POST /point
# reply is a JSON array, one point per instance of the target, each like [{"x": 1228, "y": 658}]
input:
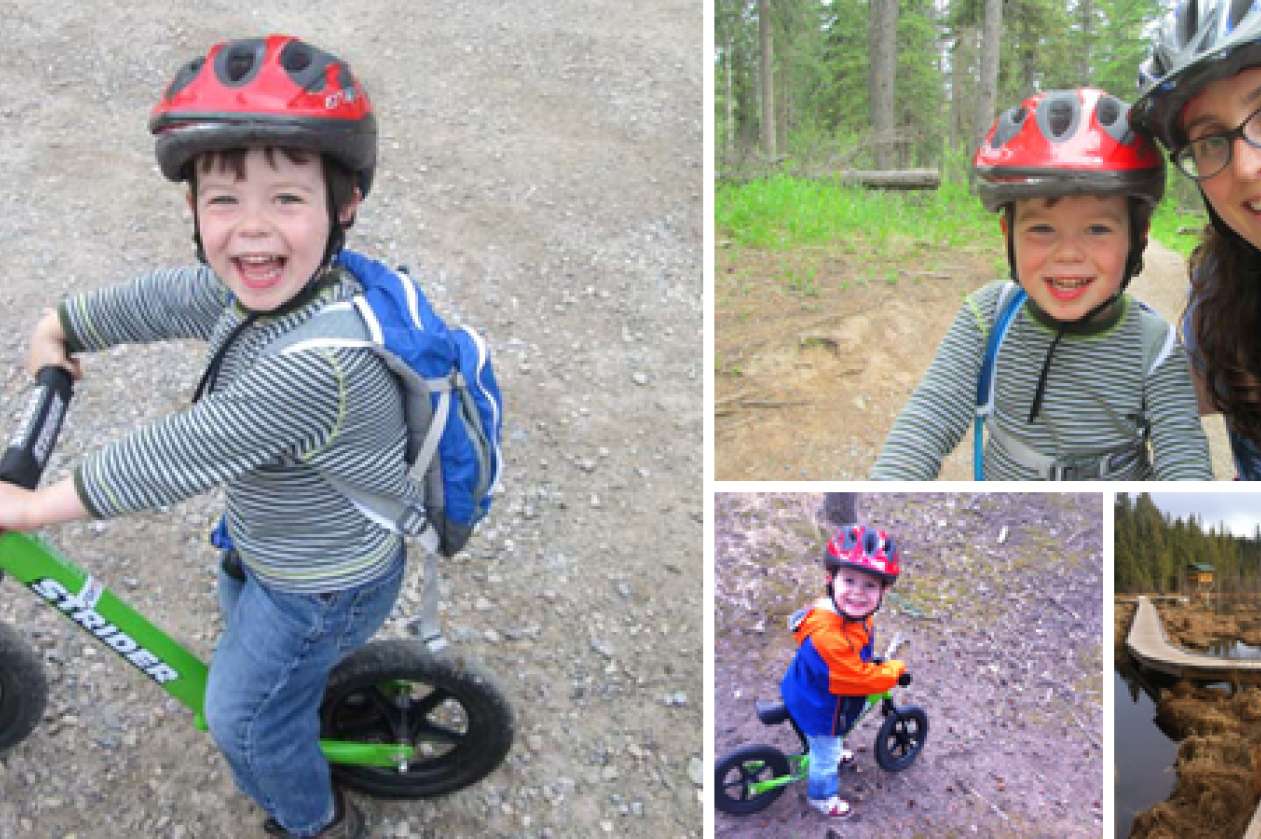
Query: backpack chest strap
[{"x": 1107, "y": 465}]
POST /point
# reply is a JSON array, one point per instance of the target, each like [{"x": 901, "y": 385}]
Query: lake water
[
  {"x": 1234, "y": 649},
  {"x": 1144, "y": 756}
]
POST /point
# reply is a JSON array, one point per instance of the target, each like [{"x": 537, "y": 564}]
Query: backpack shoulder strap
[
  {"x": 1010, "y": 298},
  {"x": 1159, "y": 338}
]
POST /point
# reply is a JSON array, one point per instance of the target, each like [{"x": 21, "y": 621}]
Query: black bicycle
[{"x": 750, "y": 778}]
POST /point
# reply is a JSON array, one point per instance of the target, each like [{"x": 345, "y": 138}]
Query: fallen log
[
  {"x": 872, "y": 179},
  {"x": 892, "y": 179}
]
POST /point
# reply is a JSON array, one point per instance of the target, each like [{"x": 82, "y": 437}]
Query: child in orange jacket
[{"x": 833, "y": 671}]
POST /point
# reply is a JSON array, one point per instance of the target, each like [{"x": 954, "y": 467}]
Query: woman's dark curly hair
[{"x": 1226, "y": 319}]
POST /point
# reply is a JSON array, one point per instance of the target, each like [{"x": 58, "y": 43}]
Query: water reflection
[
  {"x": 1144, "y": 754},
  {"x": 1237, "y": 650}
]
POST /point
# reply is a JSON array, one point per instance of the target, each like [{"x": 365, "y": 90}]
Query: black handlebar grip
[
  {"x": 32, "y": 444},
  {"x": 904, "y": 680}
]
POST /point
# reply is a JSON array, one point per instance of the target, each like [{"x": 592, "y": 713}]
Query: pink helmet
[{"x": 865, "y": 549}]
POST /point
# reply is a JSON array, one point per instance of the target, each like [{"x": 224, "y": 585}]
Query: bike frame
[
  {"x": 799, "y": 764},
  {"x": 89, "y": 605}
]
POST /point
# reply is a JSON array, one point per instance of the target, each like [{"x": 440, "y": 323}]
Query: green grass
[
  {"x": 1168, "y": 221},
  {"x": 782, "y": 213}
]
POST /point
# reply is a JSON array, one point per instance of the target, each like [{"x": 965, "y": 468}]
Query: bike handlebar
[{"x": 32, "y": 444}]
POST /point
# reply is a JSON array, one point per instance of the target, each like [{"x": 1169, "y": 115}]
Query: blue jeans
[
  {"x": 825, "y": 754},
  {"x": 267, "y": 679}
]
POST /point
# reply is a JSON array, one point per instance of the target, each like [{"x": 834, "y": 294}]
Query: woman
[{"x": 1200, "y": 95}]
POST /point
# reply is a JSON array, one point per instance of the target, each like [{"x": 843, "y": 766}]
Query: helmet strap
[
  {"x": 336, "y": 229},
  {"x": 192, "y": 186}
]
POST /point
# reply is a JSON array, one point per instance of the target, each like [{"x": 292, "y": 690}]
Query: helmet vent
[
  {"x": 1238, "y": 9},
  {"x": 306, "y": 65},
  {"x": 186, "y": 74},
  {"x": 1108, "y": 110},
  {"x": 239, "y": 65},
  {"x": 296, "y": 59},
  {"x": 1186, "y": 25},
  {"x": 1008, "y": 126},
  {"x": 238, "y": 62},
  {"x": 1059, "y": 117}
]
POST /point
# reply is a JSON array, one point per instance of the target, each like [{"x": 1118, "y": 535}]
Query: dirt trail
[{"x": 809, "y": 376}]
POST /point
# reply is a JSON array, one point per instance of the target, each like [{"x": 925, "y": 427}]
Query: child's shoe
[
  {"x": 833, "y": 808},
  {"x": 348, "y": 821},
  {"x": 847, "y": 758}
]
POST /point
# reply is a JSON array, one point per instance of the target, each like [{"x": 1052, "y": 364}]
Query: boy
[
  {"x": 277, "y": 142},
  {"x": 1084, "y": 377},
  {"x": 833, "y": 671}
]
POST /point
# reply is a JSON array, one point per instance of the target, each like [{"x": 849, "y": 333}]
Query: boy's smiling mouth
[
  {"x": 259, "y": 271},
  {"x": 1068, "y": 288}
]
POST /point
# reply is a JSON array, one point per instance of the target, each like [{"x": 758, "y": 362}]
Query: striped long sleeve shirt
[
  {"x": 270, "y": 429},
  {"x": 1095, "y": 389}
]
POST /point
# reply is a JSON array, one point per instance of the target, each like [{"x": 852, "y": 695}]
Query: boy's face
[
  {"x": 1071, "y": 251},
  {"x": 856, "y": 593},
  {"x": 264, "y": 234}
]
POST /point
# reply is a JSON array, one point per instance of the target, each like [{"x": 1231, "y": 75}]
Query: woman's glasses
[{"x": 1205, "y": 157}]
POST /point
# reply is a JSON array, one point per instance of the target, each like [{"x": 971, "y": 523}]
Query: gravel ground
[{"x": 541, "y": 168}]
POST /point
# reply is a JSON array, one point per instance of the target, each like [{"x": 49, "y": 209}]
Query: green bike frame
[
  {"x": 799, "y": 764},
  {"x": 83, "y": 600}
]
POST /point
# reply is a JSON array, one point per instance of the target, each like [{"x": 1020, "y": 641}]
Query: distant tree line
[
  {"x": 900, "y": 83},
  {"x": 1152, "y": 550}
]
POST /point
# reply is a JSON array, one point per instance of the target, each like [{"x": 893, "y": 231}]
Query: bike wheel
[
  {"x": 23, "y": 688},
  {"x": 395, "y": 691},
  {"x": 901, "y": 737},
  {"x": 746, "y": 765}
]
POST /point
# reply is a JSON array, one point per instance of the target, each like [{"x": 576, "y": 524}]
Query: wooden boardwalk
[{"x": 1150, "y": 647}]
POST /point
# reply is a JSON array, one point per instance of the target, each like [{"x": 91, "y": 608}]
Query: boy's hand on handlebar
[
  {"x": 901, "y": 668},
  {"x": 48, "y": 347},
  {"x": 14, "y": 506},
  {"x": 23, "y": 509}
]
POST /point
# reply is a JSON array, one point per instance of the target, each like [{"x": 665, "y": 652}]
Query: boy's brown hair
[{"x": 340, "y": 182}]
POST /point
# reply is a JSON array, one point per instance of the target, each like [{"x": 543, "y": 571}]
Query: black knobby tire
[
  {"x": 394, "y": 691},
  {"x": 23, "y": 688},
  {"x": 735, "y": 771},
  {"x": 901, "y": 738}
]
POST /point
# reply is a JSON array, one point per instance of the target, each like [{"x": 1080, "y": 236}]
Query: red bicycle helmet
[
  {"x": 1067, "y": 142},
  {"x": 864, "y": 548},
  {"x": 277, "y": 91}
]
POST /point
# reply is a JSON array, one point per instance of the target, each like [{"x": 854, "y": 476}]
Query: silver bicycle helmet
[{"x": 1200, "y": 41}]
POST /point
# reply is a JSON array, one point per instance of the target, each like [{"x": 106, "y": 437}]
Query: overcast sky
[{"x": 1239, "y": 512}]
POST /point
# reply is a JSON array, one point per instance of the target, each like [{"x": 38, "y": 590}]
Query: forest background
[
  {"x": 1153, "y": 550},
  {"x": 904, "y": 83},
  {"x": 814, "y": 88}
]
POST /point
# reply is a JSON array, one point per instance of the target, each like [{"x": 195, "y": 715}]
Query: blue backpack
[{"x": 452, "y": 403}]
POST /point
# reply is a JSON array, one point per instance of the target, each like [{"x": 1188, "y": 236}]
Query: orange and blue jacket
[{"x": 833, "y": 664}]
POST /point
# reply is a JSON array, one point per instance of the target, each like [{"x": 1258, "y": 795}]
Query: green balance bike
[
  {"x": 749, "y": 779},
  {"x": 398, "y": 720}
]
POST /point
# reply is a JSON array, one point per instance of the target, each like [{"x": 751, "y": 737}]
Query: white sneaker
[
  {"x": 847, "y": 757},
  {"x": 833, "y": 808}
]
